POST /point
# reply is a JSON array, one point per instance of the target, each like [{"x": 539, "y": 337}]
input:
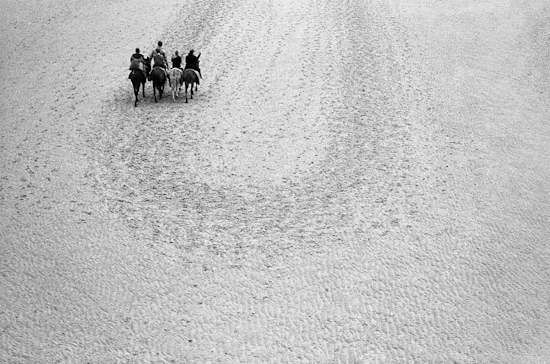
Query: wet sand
[{"x": 357, "y": 182}]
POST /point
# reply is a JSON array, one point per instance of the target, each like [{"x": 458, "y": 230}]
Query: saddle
[
  {"x": 137, "y": 70},
  {"x": 162, "y": 68}
]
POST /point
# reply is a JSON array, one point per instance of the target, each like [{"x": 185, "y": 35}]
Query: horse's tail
[
  {"x": 134, "y": 79},
  {"x": 173, "y": 79}
]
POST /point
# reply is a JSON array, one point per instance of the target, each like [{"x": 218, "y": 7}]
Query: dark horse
[
  {"x": 190, "y": 77},
  {"x": 139, "y": 78},
  {"x": 159, "y": 78}
]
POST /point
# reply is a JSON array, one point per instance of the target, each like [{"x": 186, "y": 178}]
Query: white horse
[{"x": 176, "y": 81}]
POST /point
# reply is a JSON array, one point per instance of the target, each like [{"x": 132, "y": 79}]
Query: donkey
[{"x": 176, "y": 80}]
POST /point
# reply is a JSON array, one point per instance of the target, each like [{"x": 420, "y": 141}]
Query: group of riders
[{"x": 158, "y": 59}]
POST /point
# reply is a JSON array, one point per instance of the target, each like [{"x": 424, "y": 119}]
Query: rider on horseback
[
  {"x": 192, "y": 62},
  {"x": 159, "y": 60},
  {"x": 159, "y": 48},
  {"x": 137, "y": 62},
  {"x": 176, "y": 60}
]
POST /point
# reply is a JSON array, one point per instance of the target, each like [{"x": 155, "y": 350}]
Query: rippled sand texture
[{"x": 362, "y": 181}]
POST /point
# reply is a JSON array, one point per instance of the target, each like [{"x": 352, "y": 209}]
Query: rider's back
[{"x": 159, "y": 60}]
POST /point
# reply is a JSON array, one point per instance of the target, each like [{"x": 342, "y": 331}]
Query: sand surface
[{"x": 364, "y": 181}]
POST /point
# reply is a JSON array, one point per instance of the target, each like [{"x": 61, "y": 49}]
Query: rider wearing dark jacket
[
  {"x": 136, "y": 55},
  {"x": 192, "y": 61},
  {"x": 176, "y": 60},
  {"x": 137, "y": 62}
]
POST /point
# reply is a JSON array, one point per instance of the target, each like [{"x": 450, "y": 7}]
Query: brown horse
[
  {"x": 158, "y": 76},
  {"x": 190, "y": 77},
  {"x": 138, "y": 78}
]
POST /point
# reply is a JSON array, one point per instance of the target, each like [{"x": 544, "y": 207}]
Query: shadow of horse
[
  {"x": 138, "y": 78},
  {"x": 190, "y": 77},
  {"x": 176, "y": 80},
  {"x": 158, "y": 76}
]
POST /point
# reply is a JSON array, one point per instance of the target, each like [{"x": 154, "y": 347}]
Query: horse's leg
[
  {"x": 191, "y": 91},
  {"x": 136, "y": 91},
  {"x": 143, "y": 88},
  {"x": 173, "y": 93},
  {"x": 186, "y": 85},
  {"x": 155, "y": 91}
]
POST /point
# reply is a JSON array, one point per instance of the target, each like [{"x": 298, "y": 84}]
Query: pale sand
[{"x": 354, "y": 182}]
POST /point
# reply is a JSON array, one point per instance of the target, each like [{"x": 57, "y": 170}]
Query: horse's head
[{"x": 147, "y": 62}]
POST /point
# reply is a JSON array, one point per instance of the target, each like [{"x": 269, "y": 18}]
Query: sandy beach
[{"x": 357, "y": 182}]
